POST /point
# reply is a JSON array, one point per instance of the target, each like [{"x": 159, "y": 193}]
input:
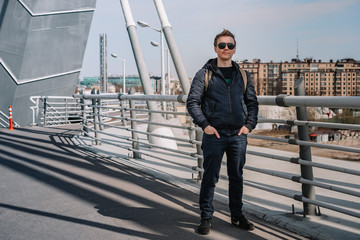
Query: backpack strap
[
  {"x": 208, "y": 75},
  {"x": 244, "y": 77}
]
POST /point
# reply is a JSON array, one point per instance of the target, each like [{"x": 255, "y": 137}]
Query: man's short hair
[{"x": 225, "y": 32}]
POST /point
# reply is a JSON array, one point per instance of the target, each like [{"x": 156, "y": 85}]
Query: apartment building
[{"x": 340, "y": 78}]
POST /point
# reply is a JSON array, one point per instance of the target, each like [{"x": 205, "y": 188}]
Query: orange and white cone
[{"x": 11, "y": 127}]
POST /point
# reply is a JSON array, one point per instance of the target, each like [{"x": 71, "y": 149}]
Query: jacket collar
[{"x": 211, "y": 64}]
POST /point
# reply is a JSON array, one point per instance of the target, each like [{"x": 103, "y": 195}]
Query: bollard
[
  {"x": 11, "y": 127},
  {"x": 308, "y": 191}
]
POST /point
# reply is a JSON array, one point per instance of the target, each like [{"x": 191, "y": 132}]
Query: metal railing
[
  {"x": 55, "y": 110},
  {"x": 127, "y": 111},
  {"x": 4, "y": 121},
  {"x": 98, "y": 112}
]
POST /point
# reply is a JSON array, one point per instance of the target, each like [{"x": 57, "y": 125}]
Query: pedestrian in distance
[{"x": 222, "y": 101}]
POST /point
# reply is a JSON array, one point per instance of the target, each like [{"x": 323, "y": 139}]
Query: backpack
[{"x": 208, "y": 75}]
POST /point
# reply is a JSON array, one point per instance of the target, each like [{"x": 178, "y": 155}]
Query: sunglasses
[{"x": 222, "y": 45}]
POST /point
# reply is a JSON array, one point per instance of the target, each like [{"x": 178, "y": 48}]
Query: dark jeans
[{"x": 213, "y": 151}]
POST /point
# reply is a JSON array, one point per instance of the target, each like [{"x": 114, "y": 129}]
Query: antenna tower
[{"x": 297, "y": 48}]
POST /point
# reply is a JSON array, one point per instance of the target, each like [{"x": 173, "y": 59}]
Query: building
[
  {"x": 42, "y": 46},
  {"x": 340, "y": 78},
  {"x": 130, "y": 81}
]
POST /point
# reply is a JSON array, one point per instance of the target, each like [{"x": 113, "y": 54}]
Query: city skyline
[{"x": 325, "y": 30}]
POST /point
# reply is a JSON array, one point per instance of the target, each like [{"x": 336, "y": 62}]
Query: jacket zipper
[{"x": 230, "y": 110}]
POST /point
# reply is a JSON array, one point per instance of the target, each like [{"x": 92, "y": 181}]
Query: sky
[{"x": 264, "y": 29}]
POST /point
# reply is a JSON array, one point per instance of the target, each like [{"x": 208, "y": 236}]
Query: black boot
[
  {"x": 204, "y": 226},
  {"x": 242, "y": 223}
]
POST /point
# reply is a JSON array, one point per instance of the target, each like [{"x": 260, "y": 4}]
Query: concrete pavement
[{"x": 263, "y": 204}]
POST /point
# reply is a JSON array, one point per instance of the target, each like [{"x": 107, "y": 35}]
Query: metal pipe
[
  {"x": 138, "y": 55},
  {"x": 98, "y": 109},
  {"x": 134, "y": 135},
  {"x": 160, "y": 147},
  {"x": 148, "y": 97},
  {"x": 327, "y": 146},
  {"x": 175, "y": 54},
  {"x": 122, "y": 113},
  {"x": 308, "y": 191},
  {"x": 310, "y": 123},
  {"x": 329, "y": 167},
  {"x": 150, "y": 155},
  {"x": 328, "y": 206},
  {"x": 313, "y": 101},
  {"x": 96, "y": 125},
  {"x": 45, "y": 112},
  {"x": 159, "y": 135},
  {"x": 200, "y": 161},
  {"x": 329, "y": 187}
]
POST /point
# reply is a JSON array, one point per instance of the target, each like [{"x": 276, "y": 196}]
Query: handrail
[
  {"x": 101, "y": 117},
  {"x": 281, "y": 100},
  {"x": 5, "y": 120}
]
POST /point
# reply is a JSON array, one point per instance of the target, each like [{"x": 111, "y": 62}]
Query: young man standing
[{"x": 226, "y": 109}]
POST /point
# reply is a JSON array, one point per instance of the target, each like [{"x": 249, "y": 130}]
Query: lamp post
[
  {"x": 168, "y": 69},
  {"x": 114, "y": 55},
  {"x": 144, "y": 24},
  {"x": 155, "y": 44}
]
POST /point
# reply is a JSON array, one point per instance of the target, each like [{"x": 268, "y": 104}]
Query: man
[{"x": 227, "y": 111}]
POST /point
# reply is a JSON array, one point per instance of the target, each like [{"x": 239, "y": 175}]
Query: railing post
[
  {"x": 96, "y": 124},
  {"x": 37, "y": 118},
  {"x": 308, "y": 191},
  {"x": 45, "y": 107},
  {"x": 66, "y": 111},
  {"x": 191, "y": 131},
  {"x": 99, "y": 112},
  {"x": 84, "y": 117},
  {"x": 122, "y": 112},
  {"x": 198, "y": 137},
  {"x": 134, "y": 135}
]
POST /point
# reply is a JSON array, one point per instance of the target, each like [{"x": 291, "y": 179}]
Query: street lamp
[
  {"x": 155, "y": 44},
  {"x": 144, "y": 24},
  {"x": 114, "y": 55}
]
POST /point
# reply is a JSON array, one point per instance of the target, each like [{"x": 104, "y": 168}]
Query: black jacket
[{"x": 221, "y": 106}]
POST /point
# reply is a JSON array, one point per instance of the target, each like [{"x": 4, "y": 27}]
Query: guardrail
[
  {"x": 55, "y": 110},
  {"x": 129, "y": 110}
]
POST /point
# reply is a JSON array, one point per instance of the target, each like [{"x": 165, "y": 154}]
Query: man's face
[{"x": 226, "y": 53}]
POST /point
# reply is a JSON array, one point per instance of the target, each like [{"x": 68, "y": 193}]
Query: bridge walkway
[{"x": 53, "y": 189}]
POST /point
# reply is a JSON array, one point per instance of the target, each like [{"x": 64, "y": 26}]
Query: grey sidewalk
[
  {"x": 52, "y": 189},
  {"x": 274, "y": 208}
]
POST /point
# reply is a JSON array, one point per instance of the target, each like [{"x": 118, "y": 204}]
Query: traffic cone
[{"x": 11, "y": 127}]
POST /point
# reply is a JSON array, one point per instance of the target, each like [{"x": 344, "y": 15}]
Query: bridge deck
[
  {"x": 52, "y": 189},
  {"x": 263, "y": 204}
]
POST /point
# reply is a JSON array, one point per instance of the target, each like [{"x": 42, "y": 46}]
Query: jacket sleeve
[
  {"x": 196, "y": 94},
  {"x": 251, "y": 103}
]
